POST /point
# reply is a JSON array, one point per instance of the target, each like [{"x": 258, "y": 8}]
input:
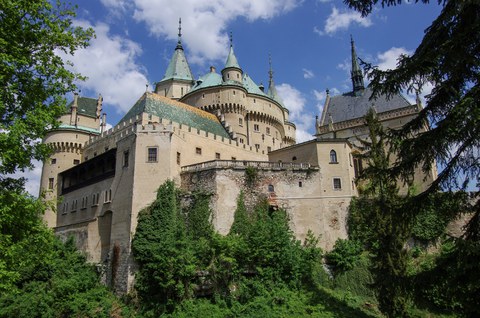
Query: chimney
[
  {"x": 74, "y": 108},
  {"x": 212, "y": 69},
  {"x": 104, "y": 123},
  {"x": 99, "y": 105}
]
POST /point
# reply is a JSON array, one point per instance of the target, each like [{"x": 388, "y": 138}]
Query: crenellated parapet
[{"x": 65, "y": 146}]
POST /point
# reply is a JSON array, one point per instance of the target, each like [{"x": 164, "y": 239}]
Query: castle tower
[
  {"x": 178, "y": 78},
  {"x": 356, "y": 72},
  {"x": 232, "y": 70},
  {"x": 77, "y": 125}
]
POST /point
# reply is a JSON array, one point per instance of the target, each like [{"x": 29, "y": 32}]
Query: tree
[
  {"x": 449, "y": 58},
  {"x": 389, "y": 222},
  {"x": 33, "y": 76}
]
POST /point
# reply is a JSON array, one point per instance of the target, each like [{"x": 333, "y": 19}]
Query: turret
[
  {"x": 232, "y": 70},
  {"x": 178, "y": 78}
]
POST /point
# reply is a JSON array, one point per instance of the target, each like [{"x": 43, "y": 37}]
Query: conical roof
[
  {"x": 232, "y": 59},
  {"x": 356, "y": 73},
  {"x": 178, "y": 68},
  {"x": 272, "y": 90}
]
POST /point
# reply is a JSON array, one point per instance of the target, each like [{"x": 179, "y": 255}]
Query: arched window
[
  {"x": 333, "y": 156},
  {"x": 271, "y": 188}
]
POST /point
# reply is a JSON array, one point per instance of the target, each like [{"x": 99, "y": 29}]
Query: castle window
[
  {"x": 241, "y": 140},
  {"x": 198, "y": 151},
  {"x": 54, "y": 161},
  {"x": 234, "y": 93},
  {"x": 294, "y": 158},
  {"x": 357, "y": 166},
  {"x": 179, "y": 155},
  {"x": 254, "y": 101},
  {"x": 256, "y": 127},
  {"x": 125, "y": 158},
  {"x": 181, "y": 89},
  {"x": 65, "y": 207},
  {"x": 269, "y": 149},
  {"x": 84, "y": 202},
  {"x": 257, "y": 146},
  {"x": 217, "y": 156},
  {"x": 271, "y": 188},
  {"x": 337, "y": 184},
  {"x": 228, "y": 75},
  {"x": 238, "y": 76},
  {"x": 263, "y": 137},
  {"x": 152, "y": 154},
  {"x": 76, "y": 161},
  {"x": 234, "y": 158},
  {"x": 300, "y": 184},
  {"x": 50, "y": 183},
  {"x": 108, "y": 196},
  {"x": 74, "y": 205},
  {"x": 268, "y": 130},
  {"x": 95, "y": 199},
  {"x": 240, "y": 122},
  {"x": 333, "y": 156},
  {"x": 203, "y": 95}
]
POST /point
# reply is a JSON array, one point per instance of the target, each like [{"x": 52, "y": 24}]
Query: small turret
[
  {"x": 356, "y": 73},
  {"x": 232, "y": 70},
  {"x": 272, "y": 91}
]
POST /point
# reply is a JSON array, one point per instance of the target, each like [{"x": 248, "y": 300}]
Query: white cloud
[
  {"x": 295, "y": 102},
  {"x": 308, "y": 73},
  {"x": 204, "y": 23},
  {"x": 110, "y": 65},
  {"x": 388, "y": 59},
  {"x": 341, "y": 20}
]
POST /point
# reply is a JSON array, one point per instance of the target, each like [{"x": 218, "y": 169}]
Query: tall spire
[
  {"x": 356, "y": 73},
  {"x": 179, "y": 42},
  {"x": 272, "y": 91}
]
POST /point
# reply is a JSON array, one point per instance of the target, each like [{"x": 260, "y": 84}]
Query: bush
[{"x": 344, "y": 256}]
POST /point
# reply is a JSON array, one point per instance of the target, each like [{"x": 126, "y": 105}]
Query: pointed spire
[
  {"x": 231, "y": 59},
  {"x": 356, "y": 73},
  {"x": 179, "y": 42},
  {"x": 178, "y": 67}
]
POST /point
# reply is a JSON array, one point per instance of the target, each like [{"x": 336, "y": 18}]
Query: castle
[{"x": 204, "y": 134}]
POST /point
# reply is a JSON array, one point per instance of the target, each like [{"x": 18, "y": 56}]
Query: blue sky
[{"x": 309, "y": 43}]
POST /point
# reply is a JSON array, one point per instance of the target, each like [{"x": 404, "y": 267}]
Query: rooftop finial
[
  {"x": 231, "y": 39},
  {"x": 179, "y": 42},
  {"x": 270, "y": 72}
]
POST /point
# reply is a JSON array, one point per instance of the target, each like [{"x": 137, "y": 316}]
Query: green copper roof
[
  {"x": 232, "y": 60},
  {"x": 178, "y": 68},
  {"x": 78, "y": 128},
  {"x": 272, "y": 92},
  {"x": 181, "y": 113},
  {"x": 86, "y": 106},
  {"x": 251, "y": 87}
]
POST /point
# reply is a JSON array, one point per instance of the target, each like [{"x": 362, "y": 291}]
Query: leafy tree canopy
[{"x": 33, "y": 77}]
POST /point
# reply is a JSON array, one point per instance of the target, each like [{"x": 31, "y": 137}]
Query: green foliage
[
  {"x": 357, "y": 280},
  {"x": 241, "y": 222},
  {"x": 33, "y": 76},
  {"x": 344, "y": 255},
  {"x": 251, "y": 174},
  {"x": 459, "y": 288},
  {"x": 61, "y": 284}
]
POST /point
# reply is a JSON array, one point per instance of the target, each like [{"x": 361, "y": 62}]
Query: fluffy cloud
[
  {"x": 204, "y": 23},
  {"x": 388, "y": 59},
  {"x": 295, "y": 102},
  {"x": 110, "y": 65},
  {"x": 32, "y": 184},
  {"x": 341, "y": 21},
  {"x": 308, "y": 73}
]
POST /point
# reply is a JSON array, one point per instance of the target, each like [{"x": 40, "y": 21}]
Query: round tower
[{"x": 76, "y": 127}]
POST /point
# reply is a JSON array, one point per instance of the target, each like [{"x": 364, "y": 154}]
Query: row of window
[{"x": 107, "y": 198}]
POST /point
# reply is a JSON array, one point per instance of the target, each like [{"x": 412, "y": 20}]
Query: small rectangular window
[
  {"x": 256, "y": 127},
  {"x": 54, "y": 161},
  {"x": 269, "y": 149},
  {"x": 337, "y": 184},
  {"x": 300, "y": 184},
  {"x": 234, "y": 158},
  {"x": 240, "y": 122},
  {"x": 50, "y": 183},
  {"x": 108, "y": 196},
  {"x": 217, "y": 156},
  {"x": 179, "y": 157},
  {"x": 152, "y": 154},
  {"x": 268, "y": 130},
  {"x": 125, "y": 158},
  {"x": 198, "y": 151},
  {"x": 76, "y": 161}
]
